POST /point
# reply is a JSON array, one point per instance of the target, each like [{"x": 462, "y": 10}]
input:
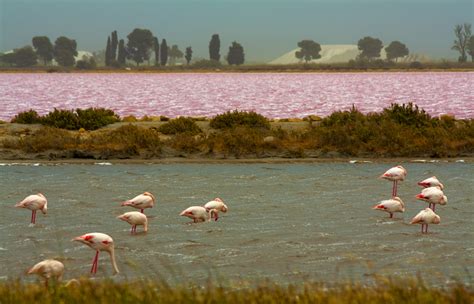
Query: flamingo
[
  {"x": 216, "y": 204},
  {"x": 48, "y": 269},
  {"x": 391, "y": 205},
  {"x": 425, "y": 217},
  {"x": 200, "y": 214},
  {"x": 99, "y": 242},
  {"x": 433, "y": 195},
  {"x": 395, "y": 174},
  {"x": 135, "y": 218},
  {"x": 142, "y": 201},
  {"x": 431, "y": 182},
  {"x": 34, "y": 203}
]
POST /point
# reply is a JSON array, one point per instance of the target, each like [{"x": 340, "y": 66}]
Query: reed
[{"x": 383, "y": 290}]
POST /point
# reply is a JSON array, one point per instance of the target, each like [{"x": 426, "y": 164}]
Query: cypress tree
[
  {"x": 189, "y": 54},
  {"x": 113, "y": 46},
  {"x": 107, "y": 52},
  {"x": 122, "y": 54},
  {"x": 214, "y": 47},
  {"x": 156, "y": 47},
  {"x": 163, "y": 52}
]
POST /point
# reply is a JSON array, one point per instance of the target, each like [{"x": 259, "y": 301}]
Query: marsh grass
[
  {"x": 381, "y": 290},
  {"x": 397, "y": 131}
]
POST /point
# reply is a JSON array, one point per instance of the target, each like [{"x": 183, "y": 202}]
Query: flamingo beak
[
  {"x": 420, "y": 196},
  {"x": 78, "y": 239}
]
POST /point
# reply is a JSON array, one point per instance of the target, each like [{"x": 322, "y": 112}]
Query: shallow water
[
  {"x": 274, "y": 95},
  {"x": 286, "y": 222}
]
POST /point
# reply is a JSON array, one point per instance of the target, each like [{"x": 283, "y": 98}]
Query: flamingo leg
[
  {"x": 434, "y": 205},
  {"x": 141, "y": 210},
  {"x": 95, "y": 262},
  {"x": 422, "y": 228},
  {"x": 426, "y": 229},
  {"x": 134, "y": 229},
  {"x": 32, "y": 217},
  {"x": 391, "y": 215}
]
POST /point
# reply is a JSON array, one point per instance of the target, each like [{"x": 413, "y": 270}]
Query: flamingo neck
[{"x": 112, "y": 258}]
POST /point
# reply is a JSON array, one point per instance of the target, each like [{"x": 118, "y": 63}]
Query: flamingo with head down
[
  {"x": 135, "y": 218},
  {"x": 142, "y": 201},
  {"x": 48, "y": 269},
  {"x": 34, "y": 203},
  {"x": 216, "y": 204},
  {"x": 425, "y": 217},
  {"x": 391, "y": 205},
  {"x": 99, "y": 242},
  {"x": 431, "y": 182},
  {"x": 200, "y": 214},
  {"x": 395, "y": 174},
  {"x": 433, "y": 195}
]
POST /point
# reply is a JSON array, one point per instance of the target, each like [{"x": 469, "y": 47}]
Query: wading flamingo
[
  {"x": 142, "y": 201},
  {"x": 34, "y": 203},
  {"x": 99, "y": 242},
  {"x": 395, "y": 174},
  {"x": 425, "y": 217},
  {"x": 48, "y": 269},
  {"x": 200, "y": 214},
  {"x": 433, "y": 196},
  {"x": 135, "y": 218},
  {"x": 431, "y": 182},
  {"x": 391, "y": 205},
  {"x": 216, "y": 204}
]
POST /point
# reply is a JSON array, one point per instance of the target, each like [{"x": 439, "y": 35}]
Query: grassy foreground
[{"x": 385, "y": 290}]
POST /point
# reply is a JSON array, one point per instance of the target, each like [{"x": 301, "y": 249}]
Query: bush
[
  {"x": 27, "y": 117},
  {"x": 63, "y": 119},
  {"x": 89, "y": 119},
  {"x": 239, "y": 141},
  {"x": 180, "y": 125},
  {"x": 44, "y": 139},
  {"x": 206, "y": 64},
  {"x": 407, "y": 114},
  {"x": 234, "y": 119},
  {"x": 95, "y": 118}
]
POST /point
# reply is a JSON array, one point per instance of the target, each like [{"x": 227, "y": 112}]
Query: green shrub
[
  {"x": 63, "y": 119},
  {"x": 234, "y": 119},
  {"x": 239, "y": 141},
  {"x": 95, "y": 118},
  {"x": 206, "y": 64},
  {"x": 27, "y": 117},
  {"x": 89, "y": 119},
  {"x": 180, "y": 125},
  {"x": 407, "y": 114}
]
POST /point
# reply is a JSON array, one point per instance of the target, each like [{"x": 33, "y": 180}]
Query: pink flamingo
[
  {"x": 200, "y": 214},
  {"x": 431, "y": 182},
  {"x": 99, "y": 242},
  {"x": 433, "y": 195},
  {"x": 425, "y": 217},
  {"x": 216, "y": 204},
  {"x": 48, "y": 269},
  {"x": 34, "y": 203},
  {"x": 135, "y": 218},
  {"x": 395, "y": 174},
  {"x": 142, "y": 201},
  {"x": 391, "y": 205}
]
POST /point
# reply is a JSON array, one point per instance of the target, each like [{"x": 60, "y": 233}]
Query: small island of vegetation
[{"x": 100, "y": 134}]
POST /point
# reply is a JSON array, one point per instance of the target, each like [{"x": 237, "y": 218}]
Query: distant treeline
[
  {"x": 144, "y": 47},
  {"x": 397, "y": 131}
]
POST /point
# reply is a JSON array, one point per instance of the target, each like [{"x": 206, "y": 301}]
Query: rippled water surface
[
  {"x": 273, "y": 95},
  {"x": 286, "y": 222}
]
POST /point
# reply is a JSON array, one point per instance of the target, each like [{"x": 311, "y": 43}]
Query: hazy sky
[{"x": 266, "y": 28}]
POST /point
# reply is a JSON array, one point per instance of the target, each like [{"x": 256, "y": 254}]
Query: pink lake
[{"x": 271, "y": 94}]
